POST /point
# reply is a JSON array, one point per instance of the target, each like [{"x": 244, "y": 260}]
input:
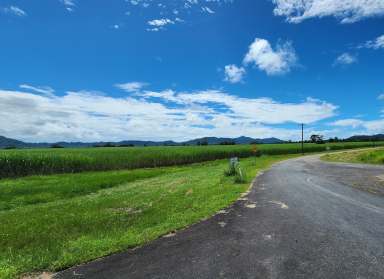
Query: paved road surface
[{"x": 301, "y": 220}]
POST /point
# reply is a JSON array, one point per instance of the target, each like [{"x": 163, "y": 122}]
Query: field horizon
[{"x": 24, "y": 162}]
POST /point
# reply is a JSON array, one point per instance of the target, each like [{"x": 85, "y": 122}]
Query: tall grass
[
  {"x": 23, "y": 162},
  {"x": 371, "y": 156}
]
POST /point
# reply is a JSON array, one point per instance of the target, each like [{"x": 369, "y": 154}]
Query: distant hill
[
  {"x": 12, "y": 143},
  {"x": 146, "y": 143},
  {"x": 378, "y": 137},
  {"x": 239, "y": 140},
  {"x": 7, "y": 142},
  {"x": 208, "y": 140},
  {"x": 120, "y": 143},
  {"x": 271, "y": 140}
]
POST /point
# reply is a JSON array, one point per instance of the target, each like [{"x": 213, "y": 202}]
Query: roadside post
[
  {"x": 302, "y": 138},
  {"x": 255, "y": 153},
  {"x": 233, "y": 162}
]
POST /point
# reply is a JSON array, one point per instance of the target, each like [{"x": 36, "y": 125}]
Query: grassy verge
[
  {"x": 24, "y": 162},
  {"x": 375, "y": 156},
  {"x": 36, "y": 190},
  {"x": 85, "y": 216}
]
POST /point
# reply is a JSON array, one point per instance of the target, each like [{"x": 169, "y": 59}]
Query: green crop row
[{"x": 23, "y": 162}]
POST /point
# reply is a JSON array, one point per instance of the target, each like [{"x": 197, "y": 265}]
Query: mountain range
[
  {"x": 8, "y": 142},
  {"x": 13, "y": 143},
  {"x": 378, "y": 137}
]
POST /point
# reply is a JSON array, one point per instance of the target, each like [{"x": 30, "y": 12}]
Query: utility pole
[{"x": 302, "y": 138}]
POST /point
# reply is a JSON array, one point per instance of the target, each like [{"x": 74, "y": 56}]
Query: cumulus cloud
[
  {"x": 273, "y": 62},
  {"x": 381, "y": 97},
  {"x": 234, "y": 74},
  {"x": 364, "y": 126},
  {"x": 375, "y": 126},
  {"x": 14, "y": 10},
  {"x": 160, "y": 24},
  {"x": 131, "y": 86},
  {"x": 345, "y": 59},
  {"x": 156, "y": 115},
  {"x": 351, "y": 122},
  {"x": 377, "y": 43},
  {"x": 347, "y": 11}
]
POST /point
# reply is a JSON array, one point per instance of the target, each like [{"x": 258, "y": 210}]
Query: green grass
[
  {"x": 359, "y": 156},
  {"x": 24, "y": 162},
  {"x": 53, "y": 222},
  {"x": 43, "y": 189}
]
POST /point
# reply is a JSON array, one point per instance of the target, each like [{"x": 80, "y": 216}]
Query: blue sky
[{"x": 88, "y": 70}]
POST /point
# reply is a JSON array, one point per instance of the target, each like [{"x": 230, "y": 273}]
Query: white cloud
[
  {"x": 131, "y": 86},
  {"x": 263, "y": 110},
  {"x": 375, "y": 126},
  {"x": 347, "y": 11},
  {"x": 15, "y": 11},
  {"x": 45, "y": 90},
  {"x": 366, "y": 126},
  {"x": 186, "y": 10},
  {"x": 69, "y": 4},
  {"x": 351, "y": 122},
  {"x": 207, "y": 10},
  {"x": 381, "y": 97},
  {"x": 377, "y": 43},
  {"x": 88, "y": 116},
  {"x": 273, "y": 62},
  {"x": 234, "y": 74},
  {"x": 345, "y": 59},
  {"x": 160, "y": 22}
]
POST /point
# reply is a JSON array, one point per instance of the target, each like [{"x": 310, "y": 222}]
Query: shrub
[
  {"x": 235, "y": 170},
  {"x": 231, "y": 171},
  {"x": 232, "y": 168},
  {"x": 240, "y": 176},
  {"x": 56, "y": 145}
]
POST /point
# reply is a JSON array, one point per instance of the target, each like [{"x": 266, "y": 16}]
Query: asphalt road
[{"x": 302, "y": 219}]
